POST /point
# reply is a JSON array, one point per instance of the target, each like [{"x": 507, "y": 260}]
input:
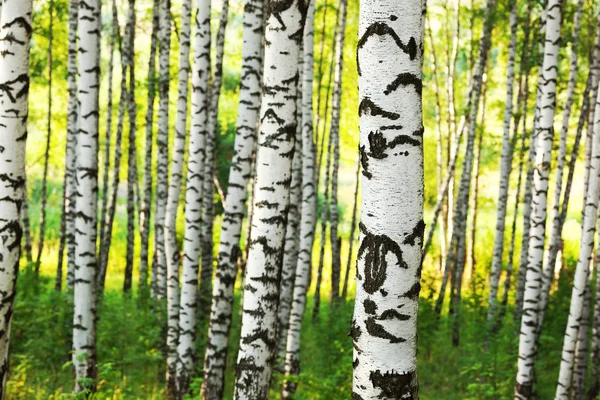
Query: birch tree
[
  {"x": 505, "y": 166},
  {"x": 162, "y": 144},
  {"x": 307, "y": 211},
  {"x": 15, "y": 20},
  {"x": 239, "y": 176},
  {"x": 188, "y": 305},
  {"x": 176, "y": 174},
  {"x": 544, "y": 133},
  {"x": 391, "y": 147},
  {"x": 273, "y": 178},
  {"x": 88, "y": 70},
  {"x": 149, "y": 141}
]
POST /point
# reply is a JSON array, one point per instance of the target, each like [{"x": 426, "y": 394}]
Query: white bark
[
  {"x": 176, "y": 175},
  {"x": 543, "y": 157},
  {"x": 580, "y": 280},
  {"x": 162, "y": 144},
  {"x": 84, "y": 319},
  {"x": 15, "y": 20},
  {"x": 384, "y": 326},
  {"x": 239, "y": 176},
  {"x": 307, "y": 212},
  {"x": 505, "y": 167},
  {"x": 271, "y": 200},
  {"x": 557, "y": 222},
  {"x": 193, "y": 197}
]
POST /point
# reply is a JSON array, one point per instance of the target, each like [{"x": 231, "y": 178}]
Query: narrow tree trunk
[
  {"x": 580, "y": 281},
  {"x": 84, "y": 319},
  {"x": 48, "y": 142},
  {"x": 384, "y": 325},
  {"x": 132, "y": 175},
  {"x": 505, "y": 168},
  {"x": 114, "y": 32},
  {"x": 273, "y": 178},
  {"x": 14, "y": 79},
  {"x": 320, "y": 74},
  {"x": 61, "y": 249},
  {"x": 544, "y": 134},
  {"x": 581, "y": 349},
  {"x": 26, "y": 223},
  {"x": 292, "y": 230},
  {"x": 351, "y": 238},
  {"x": 113, "y": 196},
  {"x": 324, "y": 218},
  {"x": 162, "y": 144},
  {"x": 176, "y": 174},
  {"x": 594, "y": 388},
  {"x": 206, "y": 284},
  {"x": 72, "y": 130},
  {"x": 307, "y": 213},
  {"x": 145, "y": 209},
  {"x": 557, "y": 223},
  {"x": 188, "y": 305},
  {"x": 336, "y": 105}
]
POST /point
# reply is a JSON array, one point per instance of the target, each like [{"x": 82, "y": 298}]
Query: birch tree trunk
[
  {"x": 581, "y": 349},
  {"x": 307, "y": 213},
  {"x": 292, "y": 239},
  {"x": 580, "y": 281},
  {"x": 84, "y": 319},
  {"x": 352, "y": 232},
  {"x": 273, "y": 178},
  {"x": 336, "y": 105},
  {"x": 206, "y": 284},
  {"x": 48, "y": 142},
  {"x": 543, "y": 157},
  {"x": 391, "y": 148},
  {"x": 147, "y": 196},
  {"x": 15, "y": 20},
  {"x": 162, "y": 144},
  {"x": 186, "y": 348},
  {"x": 71, "y": 142},
  {"x": 557, "y": 223},
  {"x": 132, "y": 175},
  {"x": 114, "y": 32},
  {"x": 505, "y": 167},
  {"x": 176, "y": 174},
  {"x": 594, "y": 388}
]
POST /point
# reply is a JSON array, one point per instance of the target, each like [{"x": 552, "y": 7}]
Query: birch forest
[{"x": 300, "y": 199}]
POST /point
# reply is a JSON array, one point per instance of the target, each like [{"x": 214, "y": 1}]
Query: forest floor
[{"x": 131, "y": 352}]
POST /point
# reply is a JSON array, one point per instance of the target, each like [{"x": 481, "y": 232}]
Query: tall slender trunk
[
  {"x": 26, "y": 223},
  {"x": 113, "y": 196},
  {"x": 475, "y": 185},
  {"x": 594, "y": 388},
  {"x": 352, "y": 231},
  {"x": 206, "y": 284},
  {"x": 84, "y": 318},
  {"x": 69, "y": 190},
  {"x": 336, "y": 105},
  {"x": 193, "y": 198},
  {"x": 384, "y": 325},
  {"x": 61, "y": 249},
  {"x": 292, "y": 229},
  {"x": 581, "y": 349},
  {"x": 145, "y": 209},
  {"x": 48, "y": 142},
  {"x": 505, "y": 168},
  {"x": 307, "y": 213},
  {"x": 176, "y": 174},
  {"x": 324, "y": 218},
  {"x": 114, "y": 33},
  {"x": 325, "y": 7},
  {"x": 162, "y": 144},
  {"x": 543, "y": 157},
  {"x": 239, "y": 177},
  {"x": 557, "y": 223},
  {"x": 14, "y": 78},
  {"x": 132, "y": 175},
  {"x": 273, "y": 178},
  {"x": 580, "y": 281}
]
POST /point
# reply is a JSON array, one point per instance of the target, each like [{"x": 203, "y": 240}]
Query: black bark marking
[
  {"x": 373, "y": 250},
  {"x": 377, "y": 330},
  {"x": 417, "y": 233},
  {"x": 370, "y": 306},
  {"x": 367, "y": 106},
  {"x": 405, "y": 79},
  {"x": 382, "y": 29},
  {"x": 394, "y": 385}
]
